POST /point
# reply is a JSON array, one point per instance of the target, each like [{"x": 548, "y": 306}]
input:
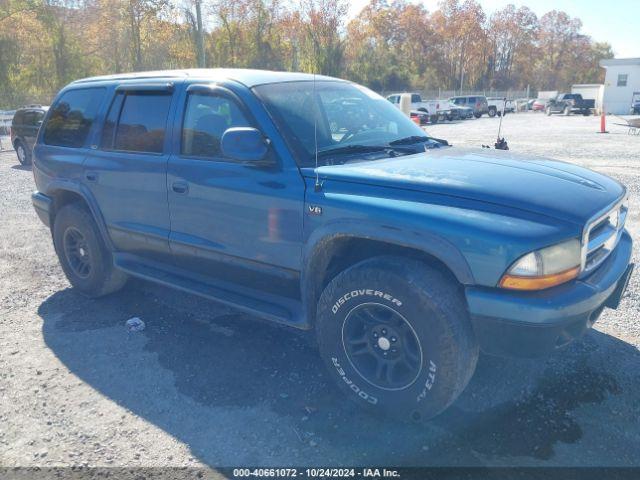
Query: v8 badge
[{"x": 314, "y": 210}]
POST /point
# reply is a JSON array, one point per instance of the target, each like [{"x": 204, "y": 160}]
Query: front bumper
[
  {"x": 42, "y": 204},
  {"x": 533, "y": 324}
]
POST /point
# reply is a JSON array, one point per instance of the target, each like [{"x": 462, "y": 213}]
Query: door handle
[
  {"x": 180, "y": 187},
  {"x": 91, "y": 176}
]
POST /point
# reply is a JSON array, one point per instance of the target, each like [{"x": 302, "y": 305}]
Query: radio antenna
[
  {"x": 501, "y": 143},
  {"x": 318, "y": 185}
]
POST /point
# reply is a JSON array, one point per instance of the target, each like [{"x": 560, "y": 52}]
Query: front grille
[{"x": 601, "y": 236}]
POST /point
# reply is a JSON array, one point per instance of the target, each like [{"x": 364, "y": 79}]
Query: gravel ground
[{"x": 206, "y": 386}]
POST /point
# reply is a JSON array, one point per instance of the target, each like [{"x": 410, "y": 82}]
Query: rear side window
[
  {"x": 416, "y": 98},
  {"x": 32, "y": 117},
  {"x": 137, "y": 122},
  {"x": 205, "y": 120},
  {"x": 18, "y": 117},
  {"x": 71, "y": 117}
]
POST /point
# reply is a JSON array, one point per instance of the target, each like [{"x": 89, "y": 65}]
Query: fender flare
[
  {"x": 78, "y": 188},
  {"x": 316, "y": 250}
]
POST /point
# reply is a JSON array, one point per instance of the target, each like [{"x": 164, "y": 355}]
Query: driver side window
[{"x": 205, "y": 120}]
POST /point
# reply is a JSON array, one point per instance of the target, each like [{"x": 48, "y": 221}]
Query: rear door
[{"x": 127, "y": 168}]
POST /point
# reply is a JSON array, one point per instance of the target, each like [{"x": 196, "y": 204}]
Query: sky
[{"x": 612, "y": 21}]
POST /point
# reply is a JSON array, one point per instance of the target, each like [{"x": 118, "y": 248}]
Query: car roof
[
  {"x": 248, "y": 77},
  {"x": 44, "y": 108}
]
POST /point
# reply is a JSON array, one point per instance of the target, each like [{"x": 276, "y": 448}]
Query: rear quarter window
[{"x": 72, "y": 116}]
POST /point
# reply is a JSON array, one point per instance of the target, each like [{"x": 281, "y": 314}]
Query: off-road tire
[
  {"x": 102, "y": 277},
  {"x": 24, "y": 157},
  {"x": 493, "y": 112},
  {"x": 414, "y": 294}
]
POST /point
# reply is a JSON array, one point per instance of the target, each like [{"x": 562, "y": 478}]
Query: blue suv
[{"x": 313, "y": 202}]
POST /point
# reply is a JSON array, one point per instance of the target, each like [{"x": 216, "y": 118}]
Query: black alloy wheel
[
  {"x": 382, "y": 346},
  {"x": 77, "y": 251}
]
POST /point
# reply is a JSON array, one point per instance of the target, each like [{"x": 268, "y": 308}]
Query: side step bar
[{"x": 264, "y": 305}]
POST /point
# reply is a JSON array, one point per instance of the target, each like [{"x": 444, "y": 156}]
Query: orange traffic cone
[{"x": 603, "y": 125}]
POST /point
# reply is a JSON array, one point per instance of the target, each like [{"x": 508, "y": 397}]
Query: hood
[{"x": 546, "y": 187}]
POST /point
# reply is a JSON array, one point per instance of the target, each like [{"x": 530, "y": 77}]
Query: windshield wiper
[
  {"x": 409, "y": 140},
  {"x": 436, "y": 142},
  {"x": 353, "y": 149}
]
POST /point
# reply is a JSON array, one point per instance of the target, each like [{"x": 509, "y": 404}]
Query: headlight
[{"x": 544, "y": 268}]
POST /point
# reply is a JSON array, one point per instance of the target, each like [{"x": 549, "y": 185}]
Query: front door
[{"x": 231, "y": 219}]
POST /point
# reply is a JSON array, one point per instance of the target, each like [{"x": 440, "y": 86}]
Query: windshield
[{"x": 349, "y": 120}]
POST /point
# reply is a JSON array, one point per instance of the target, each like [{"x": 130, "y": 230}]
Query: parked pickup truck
[
  {"x": 567, "y": 103},
  {"x": 499, "y": 104},
  {"x": 405, "y": 255},
  {"x": 431, "y": 107}
]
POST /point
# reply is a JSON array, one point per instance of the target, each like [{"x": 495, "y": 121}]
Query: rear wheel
[
  {"x": 396, "y": 337},
  {"x": 477, "y": 115},
  {"x": 493, "y": 112},
  {"x": 21, "y": 152},
  {"x": 85, "y": 260}
]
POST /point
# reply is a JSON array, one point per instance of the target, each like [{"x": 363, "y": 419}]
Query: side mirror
[{"x": 244, "y": 144}]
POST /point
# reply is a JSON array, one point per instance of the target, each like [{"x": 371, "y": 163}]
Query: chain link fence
[
  {"x": 441, "y": 94},
  {"x": 6, "y": 116}
]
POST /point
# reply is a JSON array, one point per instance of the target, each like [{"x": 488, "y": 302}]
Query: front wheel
[
  {"x": 477, "y": 115},
  {"x": 566, "y": 111},
  {"x": 493, "y": 112},
  {"x": 396, "y": 337}
]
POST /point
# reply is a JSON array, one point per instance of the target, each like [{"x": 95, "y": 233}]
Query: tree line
[{"x": 389, "y": 45}]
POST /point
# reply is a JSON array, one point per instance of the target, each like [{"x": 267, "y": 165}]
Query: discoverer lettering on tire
[{"x": 365, "y": 291}]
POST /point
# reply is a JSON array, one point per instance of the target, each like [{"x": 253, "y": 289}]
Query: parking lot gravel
[{"x": 203, "y": 385}]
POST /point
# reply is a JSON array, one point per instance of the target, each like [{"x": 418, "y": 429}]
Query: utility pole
[{"x": 200, "y": 53}]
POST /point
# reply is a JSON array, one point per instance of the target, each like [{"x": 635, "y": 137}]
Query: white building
[{"x": 621, "y": 83}]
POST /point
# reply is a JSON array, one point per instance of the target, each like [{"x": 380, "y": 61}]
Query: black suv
[{"x": 24, "y": 130}]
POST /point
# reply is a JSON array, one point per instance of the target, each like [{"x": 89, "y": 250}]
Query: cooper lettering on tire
[{"x": 396, "y": 337}]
